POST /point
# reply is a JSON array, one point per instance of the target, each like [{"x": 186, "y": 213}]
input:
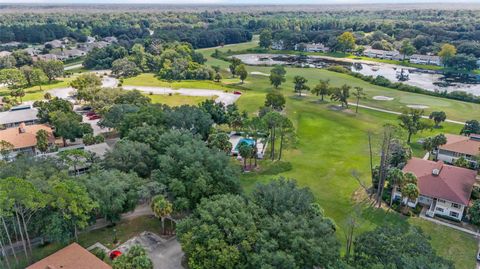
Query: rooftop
[
  {"x": 462, "y": 144},
  {"x": 71, "y": 257},
  {"x": 20, "y": 114},
  {"x": 439, "y": 180},
  {"x": 25, "y": 136}
]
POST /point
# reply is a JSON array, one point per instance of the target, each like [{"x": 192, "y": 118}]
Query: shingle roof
[
  {"x": 26, "y": 138},
  {"x": 452, "y": 183},
  {"x": 71, "y": 257},
  {"x": 23, "y": 115},
  {"x": 462, "y": 144}
]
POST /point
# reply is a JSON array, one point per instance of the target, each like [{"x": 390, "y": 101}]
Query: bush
[
  {"x": 99, "y": 253},
  {"x": 277, "y": 168}
]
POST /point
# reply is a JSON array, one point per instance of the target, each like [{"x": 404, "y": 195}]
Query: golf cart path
[
  {"x": 399, "y": 113},
  {"x": 110, "y": 82}
]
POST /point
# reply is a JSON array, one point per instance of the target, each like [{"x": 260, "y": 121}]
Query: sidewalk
[{"x": 465, "y": 230}]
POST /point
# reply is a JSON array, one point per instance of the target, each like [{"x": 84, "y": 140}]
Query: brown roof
[
  {"x": 462, "y": 144},
  {"x": 71, "y": 257},
  {"x": 24, "y": 136},
  {"x": 452, "y": 183}
]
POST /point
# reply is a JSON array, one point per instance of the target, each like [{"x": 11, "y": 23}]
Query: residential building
[
  {"x": 444, "y": 189},
  {"x": 90, "y": 39},
  {"x": 110, "y": 39},
  {"x": 32, "y": 51},
  {"x": 71, "y": 257},
  {"x": 383, "y": 54},
  {"x": 19, "y": 114},
  {"x": 69, "y": 54},
  {"x": 46, "y": 57},
  {"x": 278, "y": 45},
  {"x": 425, "y": 59},
  {"x": 54, "y": 44},
  {"x": 24, "y": 138},
  {"x": 312, "y": 47},
  {"x": 458, "y": 146}
]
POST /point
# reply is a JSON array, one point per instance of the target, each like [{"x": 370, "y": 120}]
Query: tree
[
  {"x": 75, "y": 158},
  {"x": 68, "y": 125},
  {"x": 272, "y": 121},
  {"x": 407, "y": 49},
  {"x": 471, "y": 127},
  {"x": 133, "y": 156},
  {"x": 87, "y": 86},
  {"x": 12, "y": 78},
  {"x": 359, "y": 94},
  {"x": 255, "y": 127},
  {"x": 216, "y": 111},
  {"x": 346, "y": 42},
  {"x": 474, "y": 212},
  {"x": 396, "y": 247},
  {"x": 218, "y": 77},
  {"x": 245, "y": 150},
  {"x": 462, "y": 162},
  {"x": 114, "y": 116},
  {"x": 322, "y": 89},
  {"x": 190, "y": 118},
  {"x": 135, "y": 258},
  {"x": 242, "y": 72},
  {"x": 438, "y": 117},
  {"x": 42, "y": 141},
  {"x": 277, "y": 75},
  {"x": 275, "y": 100},
  {"x": 56, "y": 104},
  {"x": 162, "y": 208},
  {"x": 265, "y": 39},
  {"x": 299, "y": 84},
  {"x": 412, "y": 122},
  {"x": 124, "y": 68},
  {"x": 286, "y": 132},
  {"x": 410, "y": 191},
  {"x": 220, "y": 141},
  {"x": 234, "y": 63},
  {"x": 114, "y": 191},
  {"x": 396, "y": 178},
  {"x": 431, "y": 143},
  {"x": 52, "y": 69},
  {"x": 341, "y": 94},
  {"x": 5, "y": 149},
  {"x": 138, "y": 56},
  {"x": 447, "y": 52},
  {"x": 33, "y": 76}
]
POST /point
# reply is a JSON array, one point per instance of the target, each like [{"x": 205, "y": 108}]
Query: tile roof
[
  {"x": 462, "y": 144},
  {"x": 27, "y": 138},
  {"x": 452, "y": 183},
  {"x": 71, "y": 257}
]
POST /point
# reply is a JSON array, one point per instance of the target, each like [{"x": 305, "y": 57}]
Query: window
[
  {"x": 453, "y": 214},
  {"x": 439, "y": 209},
  {"x": 441, "y": 201},
  {"x": 454, "y": 205}
]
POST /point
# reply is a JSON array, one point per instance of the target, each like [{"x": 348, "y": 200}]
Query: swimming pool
[{"x": 249, "y": 141}]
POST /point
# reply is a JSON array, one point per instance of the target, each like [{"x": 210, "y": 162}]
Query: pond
[{"x": 426, "y": 79}]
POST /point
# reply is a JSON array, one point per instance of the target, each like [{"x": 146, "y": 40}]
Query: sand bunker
[
  {"x": 418, "y": 106},
  {"x": 382, "y": 98},
  {"x": 259, "y": 73}
]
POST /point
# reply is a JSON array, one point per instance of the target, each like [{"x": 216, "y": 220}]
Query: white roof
[
  {"x": 4, "y": 53},
  {"x": 20, "y": 115}
]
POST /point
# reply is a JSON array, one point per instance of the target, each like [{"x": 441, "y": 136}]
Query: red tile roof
[
  {"x": 25, "y": 136},
  {"x": 452, "y": 183},
  {"x": 462, "y": 144},
  {"x": 71, "y": 257}
]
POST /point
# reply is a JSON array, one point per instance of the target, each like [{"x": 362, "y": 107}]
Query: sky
[{"x": 279, "y": 2}]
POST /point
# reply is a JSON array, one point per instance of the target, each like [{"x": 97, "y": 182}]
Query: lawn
[
  {"x": 34, "y": 93},
  {"x": 178, "y": 100},
  {"x": 332, "y": 144}
]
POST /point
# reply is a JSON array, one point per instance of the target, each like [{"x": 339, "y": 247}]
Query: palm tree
[
  {"x": 411, "y": 192},
  {"x": 245, "y": 150},
  {"x": 409, "y": 178},
  {"x": 162, "y": 208},
  {"x": 396, "y": 178}
]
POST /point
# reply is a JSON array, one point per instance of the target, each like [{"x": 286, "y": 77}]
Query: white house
[
  {"x": 5, "y": 53},
  {"x": 425, "y": 59},
  {"x": 19, "y": 114},
  {"x": 54, "y": 44},
  {"x": 458, "y": 146},
  {"x": 383, "y": 54},
  {"x": 312, "y": 47},
  {"x": 444, "y": 189}
]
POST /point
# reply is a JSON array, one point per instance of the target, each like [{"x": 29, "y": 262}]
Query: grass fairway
[
  {"x": 34, "y": 93},
  {"x": 332, "y": 144},
  {"x": 178, "y": 100}
]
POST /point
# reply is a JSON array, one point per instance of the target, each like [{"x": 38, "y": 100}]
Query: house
[
  {"x": 383, "y": 54},
  {"x": 47, "y": 57},
  {"x": 5, "y": 53},
  {"x": 71, "y": 257},
  {"x": 460, "y": 146},
  {"x": 19, "y": 114},
  {"x": 54, "y": 44},
  {"x": 278, "y": 45},
  {"x": 312, "y": 47},
  {"x": 69, "y": 54},
  {"x": 11, "y": 44},
  {"x": 110, "y": 39},
  {"x": 425, "y": 59},
  {"x": 444, "y": 189},
  {"x": 90, "y": 39},
  {"x": 32, "y": 51},
  {"x": 24, "y": 138}
]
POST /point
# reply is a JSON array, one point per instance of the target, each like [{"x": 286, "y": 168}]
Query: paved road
[
  {"x": 223, "y": 97},
  {"x": 399, "y": 113}
]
